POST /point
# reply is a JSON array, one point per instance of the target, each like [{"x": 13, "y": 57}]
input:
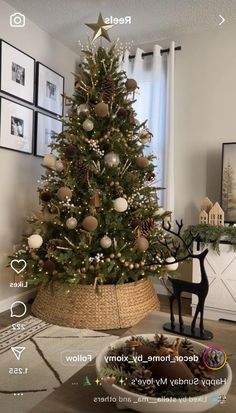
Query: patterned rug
[{"x": 40, "y": 358}]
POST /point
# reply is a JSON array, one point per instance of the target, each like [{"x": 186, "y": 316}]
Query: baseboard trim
[{"x": 24, "y": 296}]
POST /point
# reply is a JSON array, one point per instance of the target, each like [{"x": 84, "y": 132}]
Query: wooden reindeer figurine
[{"x": 179, "y": 286}]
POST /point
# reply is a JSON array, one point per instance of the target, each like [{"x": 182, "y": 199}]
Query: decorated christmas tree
[{"x": 99, "y": 208}]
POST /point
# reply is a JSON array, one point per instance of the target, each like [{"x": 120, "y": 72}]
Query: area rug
[{"x": 52, "y": 354}]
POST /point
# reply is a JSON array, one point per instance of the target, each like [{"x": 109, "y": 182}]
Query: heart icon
[{"x": 21, "y": 264}]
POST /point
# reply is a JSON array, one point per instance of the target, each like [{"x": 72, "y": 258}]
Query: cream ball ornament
[
  {"x": 141, "y": 244},
  {"x": 88, "y": 125},
  {"x": 90, "y": 223},
  {"x": 71, "y": 223},
  {"x": 120, "y": 204},
  {"x": 59, "y": 166},
  {"x": 83, "y": 108},
  {"x": 49, "y": 161},
  {"x": 112, "y": 159},
  {"x": 35, "y": 241},
  {"x": 101, "y": 109},
  {"x": 105, "y": 242},
  {"x": 172, "y": 265},
  {"x": 64, "y": 193}
]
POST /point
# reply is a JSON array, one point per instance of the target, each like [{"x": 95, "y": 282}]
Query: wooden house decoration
[
  {"x": 211, "y": 214},
  {"x": 206, "y": 204},
  {"x": 203, "y": 217},
  {"x": 216, "y": 215}
]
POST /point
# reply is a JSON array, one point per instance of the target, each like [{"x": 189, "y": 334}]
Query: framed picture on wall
[
  {"x": 228, "y": 181},
  {"x": 45, "y": 129},
  {"x": 16, "y": 126},
  {"x": 50, "y": 88},
  {"x": 17, "y": 73}
]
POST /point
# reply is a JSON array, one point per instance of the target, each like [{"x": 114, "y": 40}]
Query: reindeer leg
[
  {"x": 181, "y": 322},
  {"x": 201, "y": 325},
  {"x": 172, "y": 318},
  {"x": 195, "y": 317}
]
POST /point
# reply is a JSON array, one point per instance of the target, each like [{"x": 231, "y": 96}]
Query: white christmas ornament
[
  {"x": 144, "y": 136},
  {"x": 105, "y": 242},
  {"x": 112, "y": 159},
  {"x": 170, "y": 266},
  {"x": 159, "y": 211},
  {"x": 82, "y": 108},
  {"x": 71, "y": 223},
  {"x": 49, "y": 160},
  {"x": 120, "y": 204},
  {"x": 88, "y": 125},
  {"x": 35, "y": 241},
  {"x": 59, "y": 166}
]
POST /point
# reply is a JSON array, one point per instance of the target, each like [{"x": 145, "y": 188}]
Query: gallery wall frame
[
  {"x": 49, "y": 90},
  {"x": 45, "y": 127},
  {"x": 16, "y": 126},
  {"x": 17, "y": 73},
  {"x": 228, "y": 181}
]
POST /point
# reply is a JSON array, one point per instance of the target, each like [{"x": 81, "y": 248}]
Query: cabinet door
[{"x": 221, "y": 272}]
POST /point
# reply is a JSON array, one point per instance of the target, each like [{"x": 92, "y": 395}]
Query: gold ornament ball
[
  {"x": 71, "y": 223},
  {"x": 105, "y": 242},
  {"x": 131, "y": 85},
  {"x": 35, "y": 241},
  {"x": 141, "y": 244},
  {"x": 142, "y": 162},
  {"x": 172, "y": 265},
  {"x": 90, "y": 223},
  {"x": 136, "y": 265},
  {"x": 59, "y": 166},
  {"x": 49, "y": 160},
  {"x": 120, "y": 204},
  {"x": 131, "y": 266},
  {"x": 101, "y": 109},
  {"x": 64, "y": 193},
  {"x": 126, "y": 263},
  {"x": 88, "y": 125}
]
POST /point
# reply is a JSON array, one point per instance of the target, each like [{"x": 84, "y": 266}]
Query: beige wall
[
  {"x": 19, "y": 172},
  {"x": 205, "y": 115}
]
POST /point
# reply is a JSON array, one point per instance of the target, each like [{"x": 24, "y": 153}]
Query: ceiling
[{"x": 152, "y": 20}]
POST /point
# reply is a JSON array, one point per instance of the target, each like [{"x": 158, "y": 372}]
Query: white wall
[
  {"x": 19, "y": 172},
  {"x": 205, "y": 115}
]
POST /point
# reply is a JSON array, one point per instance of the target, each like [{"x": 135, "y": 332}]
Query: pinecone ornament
[
  {"x": 186, "y": 348},
  {"x": 161, "y": 341},
  {"x": 82, "y": 170},
  {"x": 147, "y": 226},
  {"x": 108, "y": 88},
  {"x": 146, "y": 386}
]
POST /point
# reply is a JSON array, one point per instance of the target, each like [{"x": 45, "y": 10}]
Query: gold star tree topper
[{"x": 100, "y": 28}]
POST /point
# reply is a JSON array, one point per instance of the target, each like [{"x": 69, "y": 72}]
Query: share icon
[{"x": 17, "y": 351}]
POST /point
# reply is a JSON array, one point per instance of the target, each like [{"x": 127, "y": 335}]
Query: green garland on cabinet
[{"x": 210, "y": 234}]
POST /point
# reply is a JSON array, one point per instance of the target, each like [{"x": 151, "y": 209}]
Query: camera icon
[{"x": 17, "y": 20}]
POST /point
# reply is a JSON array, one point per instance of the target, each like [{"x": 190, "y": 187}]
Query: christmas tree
[{"x": 99, "y": 209}]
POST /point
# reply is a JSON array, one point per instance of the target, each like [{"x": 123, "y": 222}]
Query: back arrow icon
[{"x": 222, "y": 20}]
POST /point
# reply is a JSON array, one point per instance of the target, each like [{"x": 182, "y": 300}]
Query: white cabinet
[{"x": 221, "y": 271}]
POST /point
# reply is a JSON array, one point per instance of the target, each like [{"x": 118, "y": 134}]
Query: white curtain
[{"x": 155, "y": 102}]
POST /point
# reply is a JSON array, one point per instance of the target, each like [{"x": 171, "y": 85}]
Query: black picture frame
[
  {"x": 228, "y": 181},
  {"x": 41, "y": 121},
  {"x": 11, "y": 114},
  {"x": 14, "y": 73},
  {"x": 49, "y": 90}
]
